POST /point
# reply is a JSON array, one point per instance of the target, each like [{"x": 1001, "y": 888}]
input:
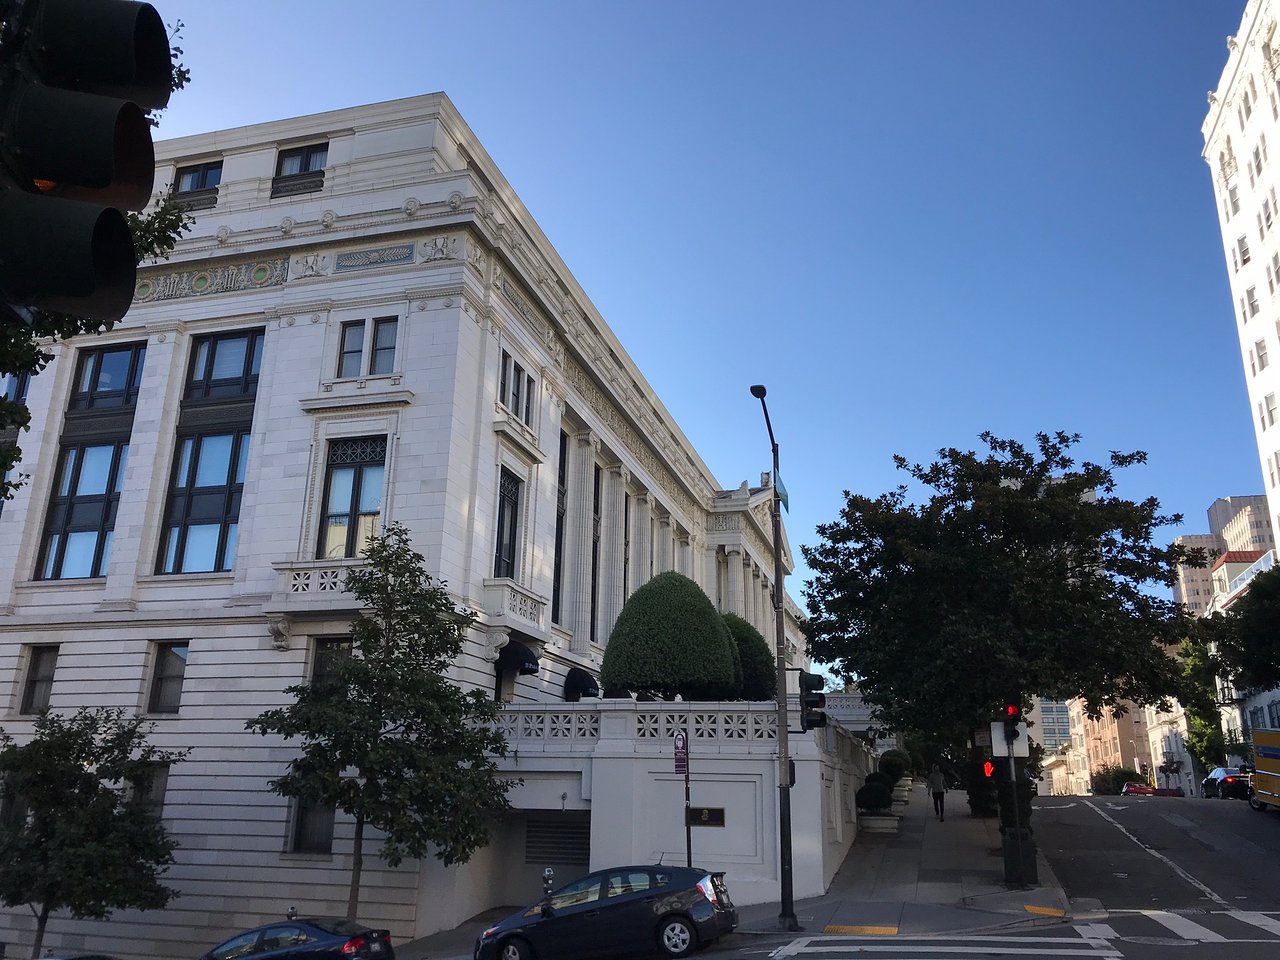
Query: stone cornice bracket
[
  {"x": 1231, "y": 43},
  {"x": 280, "y": 629},
  {"x": 589, "y": 437},
  {"x": 1212, "y": 97},
  {"x": 620, "y": 471},
  {"x": 555, "y": 388}
]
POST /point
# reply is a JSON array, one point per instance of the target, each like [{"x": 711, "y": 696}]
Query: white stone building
[{"x": 366, "y": 325}]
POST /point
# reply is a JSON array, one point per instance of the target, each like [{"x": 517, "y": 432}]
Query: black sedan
[
  {"x": 621, "y": 910},
  {"x": 1226, "y": 783},
  {"x": 312, "y": 938}
]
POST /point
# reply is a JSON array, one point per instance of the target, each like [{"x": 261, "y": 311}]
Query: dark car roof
[{"x": 334, "y": 926}]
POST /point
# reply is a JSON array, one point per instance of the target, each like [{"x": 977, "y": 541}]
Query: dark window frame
[
  {"x": 70, "y": 512},
  {"x": 16, "y": 386},
  {"x": 338, "y": 457},
  {"x": 516, "y": 388},
  {"x": 191, "y": 506},
  {"x": 506, "y": 545},
  {"x": 362, "y": 351},
  {"x": 307, "y": 154},
  {"x": 202, "y": 172},
  {"x": 311, "y": 831},
  {"x": 89, "y": 367},
  {"x": 202, "y": 385},
  {"x": 37, "y": 687},
  {"x": 163, "y": 674},
  {"x": 562, "y": 501}
]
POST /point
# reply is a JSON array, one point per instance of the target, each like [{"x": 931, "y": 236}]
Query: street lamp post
[{"x": 787, "y": 914}]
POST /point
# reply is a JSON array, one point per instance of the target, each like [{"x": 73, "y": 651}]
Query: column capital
[
  {"x": 588, "y": 438},
  {"x": 620, "y": 471}
]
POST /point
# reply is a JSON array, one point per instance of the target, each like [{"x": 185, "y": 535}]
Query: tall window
[
  {"x": 82, "y": 513},
  {"x": 202, "y": 518},
  {"x": 595, "y": 551},
  {"x": 367, "y": 351},
  {"x": 1233, "y": 194},
  {"x": 108, "y": 377},
  {"x": 166, "y": 682},
  {"x": 39, "y": 685},
  {"x": 504, "y": 559},
  {"x": 515, "y": 389},
  {"x": 312, "y": 828},
  {"x": 1260, "y": 348},
  {"x": 148, "y": 789},
  {"x": 329, "y": 654},
  {"x": 1242, "y": 244},
  {"x": 13, "y": 386},
  {"x": 225, "y": 365},
  {"x": 626, "y": 544},
  {"x": 562, "y": 498},
  {"x": 1252, "y": 296},
  {"x": 352, "y": 495}
]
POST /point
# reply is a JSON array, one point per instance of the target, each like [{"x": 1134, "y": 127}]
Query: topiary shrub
[
  {"x": 669, "y": 640},
  {"x": 759, "y": 669},
  {"x": 873, "y": 797},
  {"x": 901, "y": 756},
  {"x": 881, "y": 778},
  {"x": 892, "y": 766}
]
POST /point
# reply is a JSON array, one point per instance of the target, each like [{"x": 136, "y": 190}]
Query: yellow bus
[{"x": 1264, "y": 783}]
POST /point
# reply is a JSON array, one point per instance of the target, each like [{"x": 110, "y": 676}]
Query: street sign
[
  {"x": 1000, "y": 747},
  {"x": 982, "y": 738},
  {"x": 681, "y": 742}
]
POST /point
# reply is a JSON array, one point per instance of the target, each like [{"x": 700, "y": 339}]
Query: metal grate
[
  {"x": 562, "y": 838},
  {"x": 358, "y": 450}
]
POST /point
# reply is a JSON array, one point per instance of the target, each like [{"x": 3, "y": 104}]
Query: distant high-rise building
[{"x": 1237, "y": 525}]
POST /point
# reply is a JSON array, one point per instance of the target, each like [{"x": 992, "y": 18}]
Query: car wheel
[
  {"x": 677, "y": 937},
  {"x": 1255, "y": 803},
  {"x": 515, "y": 949}
]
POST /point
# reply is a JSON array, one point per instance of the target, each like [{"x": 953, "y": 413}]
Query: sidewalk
[{"x": 930, "y": 878}]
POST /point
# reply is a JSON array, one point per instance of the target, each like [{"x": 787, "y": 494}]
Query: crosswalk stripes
[
  {"x": 831, "y": 947},
  {"x": 1200, "y": 926}
]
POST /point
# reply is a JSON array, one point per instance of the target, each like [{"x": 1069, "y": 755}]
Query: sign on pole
[
  {"x": 681, "y": 741},
  {"x": 1000, "y": 747}
]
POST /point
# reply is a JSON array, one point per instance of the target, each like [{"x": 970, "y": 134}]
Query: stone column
[
  {"x": 753, "y": 594},
  {"x": 612, "y": 538},
  {"x": 579, "y": 524},
  {"x": 766, "y": 606},
  {"x": 737, "y": 600},
  {"x": 682, "y": 554},
  {"x": 641, "y": 539},
  {"x": 662, "y": 559}
]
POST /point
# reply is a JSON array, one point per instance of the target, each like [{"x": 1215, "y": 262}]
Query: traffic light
[
  {"x": 75, "y": 149},
  {"x": 988, "y": 769},
  {"x": 812, "y": 701},
  {"x": 1011, "y": 715}
]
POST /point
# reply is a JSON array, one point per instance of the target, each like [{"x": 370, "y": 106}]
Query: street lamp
[{"x": 787, "y": 915}]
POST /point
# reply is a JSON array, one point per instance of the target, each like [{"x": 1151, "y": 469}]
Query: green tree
[
  {"x": 1199, "y": 694},
  {"x": 759, "y": 668},
  {"x": 386, "y": 737},
  {"x": 23, "y": 347},
  {"x": 669, "y": 640},
  {"x": 1021, "y": 571},
  {"x": 72, "y": 836},
  {"x": 1248, "y": 650}
]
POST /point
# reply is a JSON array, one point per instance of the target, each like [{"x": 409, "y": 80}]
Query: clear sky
[{"x": 914, "y": 220}]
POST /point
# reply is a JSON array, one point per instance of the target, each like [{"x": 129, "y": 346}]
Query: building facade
[{"x": 365, "y": 325}]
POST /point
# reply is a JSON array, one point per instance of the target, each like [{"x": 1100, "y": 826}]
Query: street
[{"x": 1145, "y": 876}]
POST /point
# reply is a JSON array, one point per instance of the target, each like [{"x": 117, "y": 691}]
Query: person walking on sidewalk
[{"x": 938, "y": 787}]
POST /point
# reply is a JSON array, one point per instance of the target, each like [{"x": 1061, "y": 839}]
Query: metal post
[{"x": 787, "y": 914}]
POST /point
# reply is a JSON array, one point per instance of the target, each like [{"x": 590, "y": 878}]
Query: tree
[
  {"x": 669, "y": 640},
  {"x": 1022, "y": 571},
  {"x": 385, "y": 736},
  {"x": 22, "y": 347},
  {"x": 1248, "y": 651},
  {"x": 1199, "y": 693},
  {"x": 759, "y": 668},
  {"x": 72, "y": 836}
]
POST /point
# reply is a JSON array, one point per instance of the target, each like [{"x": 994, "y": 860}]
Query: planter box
[
  {"x": 878, "y": 823},
  {"x": 901, "y": 792}
]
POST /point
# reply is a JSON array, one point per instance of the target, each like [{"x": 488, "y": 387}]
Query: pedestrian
[{"x": 938, "y": 787}]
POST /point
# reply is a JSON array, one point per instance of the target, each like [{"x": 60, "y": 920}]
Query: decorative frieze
[
  {"x": 391, "y": 256},
  {"x": 252, "y": 275}
]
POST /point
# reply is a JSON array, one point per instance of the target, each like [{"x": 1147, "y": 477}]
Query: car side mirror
[{"x": 547, "y": 909}]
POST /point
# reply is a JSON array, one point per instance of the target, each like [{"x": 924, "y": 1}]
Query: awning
[
  {"x": 516, "y": 656},
  {"x": 578, "y": 684}
]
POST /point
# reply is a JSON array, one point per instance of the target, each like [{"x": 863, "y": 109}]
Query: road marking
[
  {"x": 980, "y": 946},
  {"x": 1044, "y": 911},
  {"x": 878, "y": 931},
  {"x": 1159, "y": 856},
  {"x": 1269, "y": 924},
  {"x": 1096, "y": 931},
  {"x": 1055, "y": 806},
  {"x": 1187, "y": 929}
]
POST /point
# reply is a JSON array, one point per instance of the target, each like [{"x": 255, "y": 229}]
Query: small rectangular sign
[
  {"x": 1002, "y": 748},
  {"x": 681, "y": 743},
  {"x": 705, "y": 816}
]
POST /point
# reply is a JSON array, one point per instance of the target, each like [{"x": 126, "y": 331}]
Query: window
[
  {"x": 504, "y": 561},
  {"x": 1242, "y": 244},
  {"x": 225, "y": 365},
  {"x": 13, "y": 386},
  {"x": 300, "y": 170},
  {"x": 148, "y": 788},
  {"x": 40, "y": 666},
  {"x": 312, "y": 828},
  {"x": 108, "y": 377},
  {"x": 82, "y": 513},
  {"x": 352, "y": 495},
  {"x": 562, "y": 499},
  {"x": 329, "y": 654},
  {"x": 200, "y": 176},
  {"x": 1233, "y": 194},
  {"x": 595, "y": 552},
  {"x": 586, "y": 890},
  {"x": 361, "y": 355},
  {"x": 1260, "y": 349},
  {"x": 1270, "y": 401},
  {"x": 166, "y": 682},
  {"x": 515, "y": 389},
  {"x": 1252, "y": 295},
  {"x": 202, "y": 518}
]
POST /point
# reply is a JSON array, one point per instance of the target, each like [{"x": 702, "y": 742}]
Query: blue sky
[{"x": 913, "y": 220}]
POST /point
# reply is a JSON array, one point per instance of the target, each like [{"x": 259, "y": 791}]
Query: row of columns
[{"x": 750, "y": 593}]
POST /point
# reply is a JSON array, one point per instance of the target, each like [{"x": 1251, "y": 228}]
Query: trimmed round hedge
[
  {"x": 759, "y": 669},
  {"x": 892, "y": 766},
  {"x": 670, "y": 640},
  {"x": 873, "y": 797},
  {"x": 881, "y": 778}
]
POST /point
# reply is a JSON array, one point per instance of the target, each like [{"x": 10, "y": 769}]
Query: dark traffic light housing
[
  {"x": 1011, "y": 716},
  {"x": 75, "y": 148},
  {"x": 812, "y": 701}
]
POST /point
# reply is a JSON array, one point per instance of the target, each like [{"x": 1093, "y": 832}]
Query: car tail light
[
  {"x": 352, "y": 946},
  {"x": 1231, "y": 779},
  {"x": 709, "y": 890}
]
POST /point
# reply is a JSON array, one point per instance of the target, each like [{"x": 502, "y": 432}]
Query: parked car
[
  {"x": 1170, "y": 792},
  {"x": 1226, "y": 783},
  {"x": 620, "y": 910},
  {"x": 311, "y": 938},
  {"x": 1135, "y": 789}
]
